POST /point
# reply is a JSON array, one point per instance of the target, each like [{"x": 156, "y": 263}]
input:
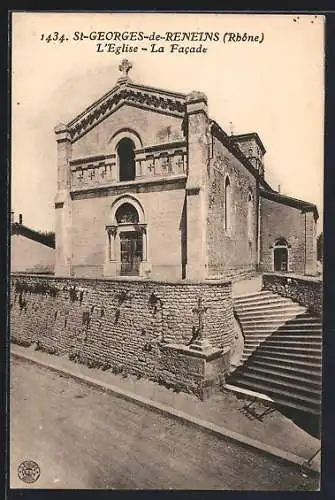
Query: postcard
[{"x": 166, "y": 251}]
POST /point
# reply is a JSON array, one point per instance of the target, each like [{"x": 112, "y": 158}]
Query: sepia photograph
[{"x": 166, "y": 251}]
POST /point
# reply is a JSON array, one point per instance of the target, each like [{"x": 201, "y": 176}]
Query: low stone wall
[
  {"x": 303, "y": 289},
  {"x": 125, "y": 326}
]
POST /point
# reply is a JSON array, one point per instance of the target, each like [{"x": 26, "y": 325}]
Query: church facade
[{"x": 150, "y": 186}]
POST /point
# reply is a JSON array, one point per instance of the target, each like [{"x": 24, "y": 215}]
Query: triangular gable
[{"x": 149, "y": 98}]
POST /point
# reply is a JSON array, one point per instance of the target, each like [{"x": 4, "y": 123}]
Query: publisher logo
[{"x": 29, "y": 471}]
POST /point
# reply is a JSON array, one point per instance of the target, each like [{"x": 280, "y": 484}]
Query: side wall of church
[
  {"x": 230, "y": 252},
  {"x": 298, "y": 229},
  {"x": 163, "y": 212},
  {"x": 153, "y": 128}
]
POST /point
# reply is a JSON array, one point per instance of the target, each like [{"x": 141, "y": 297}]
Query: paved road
[{"x": 84, "y": 438}]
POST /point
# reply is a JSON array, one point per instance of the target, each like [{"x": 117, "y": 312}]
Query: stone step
[
  {"x": 287, "y": 328},
  {"x": 289, "y": 312},
  {"x": 276, "y": 306},
  {"x": 293, "y": 350},
  {"x": 266, "y": 306},
  {"x": 290, "y": 343},
  {"x": 308, "y": 317},
  {"x": 295, "y": 343},
  {"x": 277, "y": 400},
  {"x": 282, "y": 331},
  {"x": 285, "y": 338},
  {"x": 297, "y": 376},
  {"x": 271, "y": 318},
  {"x": 254, "y": 296},
  {"x": 276, "y": 317},
  {"x": 250, "y": 354},
  {"x": 297, "y": 335},
  {"x": 306, "y": 370},
  {"x": 293, "y": 321},
  {"x": 312, "y": 364},
  {"x": 284, "y": 397},
  {"x": 274, "y": 383},
  {"x": 259, "y": 300},
  {"x": 305, "y": 325},
  {"x": 284, "y": 353}
]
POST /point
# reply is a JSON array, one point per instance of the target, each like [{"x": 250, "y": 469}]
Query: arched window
[
  {"x": 126, "y": 156},
  {"x": 280, "y": 255},
  {"x": 227, "y": 205},
  {"x": 126, "y": 214},
  {"x": 249, "y": 217}
]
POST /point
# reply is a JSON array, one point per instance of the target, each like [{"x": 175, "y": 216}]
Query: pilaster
[
  {"x": 196, "y": 186},
  {"x": 310, "y": 244},
  {"x": 63, "y": 203},
  {"x": 64, "y": 152}
]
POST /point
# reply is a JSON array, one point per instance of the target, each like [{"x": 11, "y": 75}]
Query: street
[{"x": 85, "y": 438}]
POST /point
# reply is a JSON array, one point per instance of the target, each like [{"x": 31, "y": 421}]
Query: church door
[
  {"x": 280, "y": 259},
  {"x": 131, "y": 252}
]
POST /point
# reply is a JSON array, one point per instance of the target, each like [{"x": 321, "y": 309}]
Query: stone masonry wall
[
  {"x": 148, "y": 124},
  {"x": 305, "y": 290},
  {"x": 281, "y": 221},
  {"x": 123, "y": 325},
  {"x": 230, "y": 253},
  {"x": 163, "y": 210}
]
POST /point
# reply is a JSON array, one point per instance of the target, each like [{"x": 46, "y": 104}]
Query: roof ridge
[{"x": 297, "y": 201}]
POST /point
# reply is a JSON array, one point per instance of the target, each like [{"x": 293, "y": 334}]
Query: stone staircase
[{"x": 282, "y": 355}]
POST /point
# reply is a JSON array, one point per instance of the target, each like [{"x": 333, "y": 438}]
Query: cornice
[
  {"x": 249, "y": 135},
  {"x": 163, "y": 147},
  {"x": 109, "y": 188},
  {"x": 182, "y": 144}
]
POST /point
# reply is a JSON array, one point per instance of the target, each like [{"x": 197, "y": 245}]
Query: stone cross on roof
[{"x": 125, "y": 67}]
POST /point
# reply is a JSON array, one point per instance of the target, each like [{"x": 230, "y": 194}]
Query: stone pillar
[
  {"x": 139, "y": 164},
  {"x": 145, "y": 265},
  {"x": 63, "y": 203},
  {"x": 111, "y": 265},
  {"x": 196, "y": 186}
]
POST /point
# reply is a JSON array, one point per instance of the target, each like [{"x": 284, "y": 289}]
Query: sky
[{"x": 274, "y": 88}]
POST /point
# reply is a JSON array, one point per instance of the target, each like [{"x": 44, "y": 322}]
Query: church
[{"x": 150, "y": 186}]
